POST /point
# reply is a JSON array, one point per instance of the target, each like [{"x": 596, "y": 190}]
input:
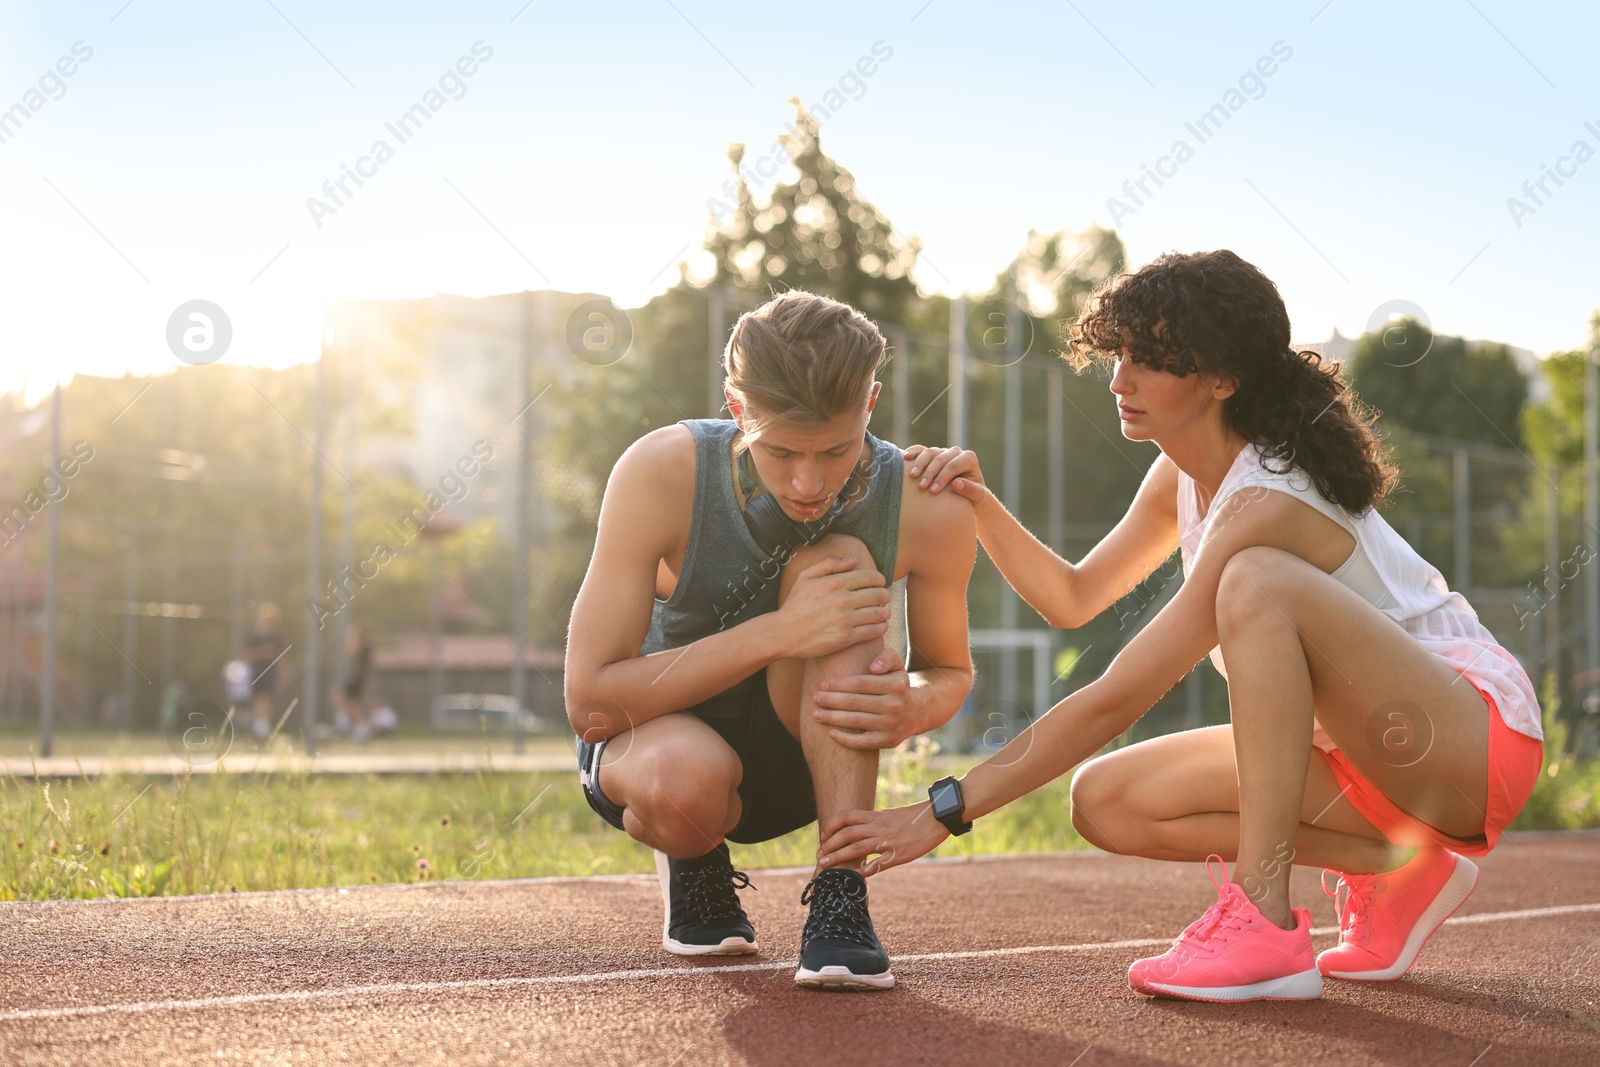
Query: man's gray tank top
[{"x": 726, "y": 579}]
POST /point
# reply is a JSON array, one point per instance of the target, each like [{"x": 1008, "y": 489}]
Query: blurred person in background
[
  {"x": 262, "y": 650},
  {"x": 383, "y": 719},
  {"x": 350, "y": 702}
]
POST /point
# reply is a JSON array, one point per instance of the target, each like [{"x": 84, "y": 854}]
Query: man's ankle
[
  {"x": 688, "y": 853},
  {"x": 856, "y": 866}
]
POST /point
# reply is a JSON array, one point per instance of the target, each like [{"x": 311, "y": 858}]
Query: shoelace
[
  {"x": 709, "y": 892},
  {"x": 838, "y": 910},
  {"x": 1354, "y": 905},
  {"x": 1219, "y": 922}
]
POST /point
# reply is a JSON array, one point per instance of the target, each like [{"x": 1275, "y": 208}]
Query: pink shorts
[{"x": 1514, "y": 763}]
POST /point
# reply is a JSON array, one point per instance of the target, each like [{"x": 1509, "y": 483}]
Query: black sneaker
[
  {"x": 839, "y": 949},
  {"x": 703, "y": 915}
]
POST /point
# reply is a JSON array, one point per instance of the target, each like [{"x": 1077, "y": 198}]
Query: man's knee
[
  {"x": 681, "y": 796},
  {"x": 834, "y": 544},
  {"x": 847, "y": 547},
  {"x": 842, "y": 545}
]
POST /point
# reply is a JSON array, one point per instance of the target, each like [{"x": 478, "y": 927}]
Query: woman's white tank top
[{"x": 1388, "y": 573}]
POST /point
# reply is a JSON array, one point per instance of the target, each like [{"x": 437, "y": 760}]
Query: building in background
[{"x": 437, "y": 374}]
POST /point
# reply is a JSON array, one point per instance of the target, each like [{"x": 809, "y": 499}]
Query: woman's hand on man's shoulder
[{"x": 937, "y": 469}]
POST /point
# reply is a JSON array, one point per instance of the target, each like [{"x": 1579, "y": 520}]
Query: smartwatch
[{"x": 945, "y": 795}]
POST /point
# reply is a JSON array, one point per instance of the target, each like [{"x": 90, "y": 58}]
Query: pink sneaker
[
  {"x": 1232, "y": 953},
  {"x": 1385, "y": 919}
]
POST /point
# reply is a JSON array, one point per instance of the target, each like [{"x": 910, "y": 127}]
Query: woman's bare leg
[
  {"x": 1176, "y": 797},
  {"x": 1297, "y": 641}
]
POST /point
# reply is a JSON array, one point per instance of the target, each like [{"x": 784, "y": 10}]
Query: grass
[
  {"x": 19, "y": 742},
  {"x": 124, "y": 835},
  {"x": 1567, "y": 796}
]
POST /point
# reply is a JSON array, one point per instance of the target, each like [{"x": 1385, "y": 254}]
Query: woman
[{"x": 1354, "y": 744}]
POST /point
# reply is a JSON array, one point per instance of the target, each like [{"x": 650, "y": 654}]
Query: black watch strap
[{"x": 948, "y": 805}]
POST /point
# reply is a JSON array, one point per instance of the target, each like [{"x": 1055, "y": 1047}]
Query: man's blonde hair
[{"x": 801, "y": 357}]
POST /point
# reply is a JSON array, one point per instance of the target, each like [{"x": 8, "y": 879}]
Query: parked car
[{"x": 463, "y": 711}]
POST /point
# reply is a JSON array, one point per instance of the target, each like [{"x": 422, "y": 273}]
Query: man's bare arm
[
  {"x": 609, "y": 686},
  {"x": 941, "y": 538}
]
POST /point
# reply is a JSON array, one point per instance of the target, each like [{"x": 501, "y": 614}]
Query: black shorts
[{"x": 775, "y": 791}]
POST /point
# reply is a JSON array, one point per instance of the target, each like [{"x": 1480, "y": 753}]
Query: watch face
[{"x": 945, "y": 798}]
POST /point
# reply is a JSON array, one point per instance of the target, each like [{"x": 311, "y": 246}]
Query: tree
[
  {"x": 1447, "y": 387},
  {"x": 815, "y": 233},
  {"x": 1554, "y": 428},
  {"x": 1467, "y": 391}
]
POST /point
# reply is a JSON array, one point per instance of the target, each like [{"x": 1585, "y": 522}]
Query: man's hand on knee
[
  {"x": 870, "y": 711},
  {"x": 832, "y": 603}
]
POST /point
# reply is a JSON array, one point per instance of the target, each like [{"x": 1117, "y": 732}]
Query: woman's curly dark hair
[{"x": 1214, "y": 313}]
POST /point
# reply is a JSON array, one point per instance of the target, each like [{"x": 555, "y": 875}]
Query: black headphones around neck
[{"x": 774, "y": 531}]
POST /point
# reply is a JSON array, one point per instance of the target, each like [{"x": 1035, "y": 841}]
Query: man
[
  {"x": 262, "y": 650},
  {"x": 726, "y": 667}
]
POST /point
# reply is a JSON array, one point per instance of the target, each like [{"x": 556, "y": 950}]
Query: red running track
[{"x": 1008, "y": 960}]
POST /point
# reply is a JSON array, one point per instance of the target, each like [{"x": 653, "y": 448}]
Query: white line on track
[{"x": 711, "y": 971}]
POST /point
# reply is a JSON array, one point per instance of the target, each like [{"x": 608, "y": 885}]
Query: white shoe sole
[
  {"x": 729, "y": 946},
  {"x": 1457, "y": 888},
  {"x": 1307, "y": 985},
  {"x": 842, "y": 978}
]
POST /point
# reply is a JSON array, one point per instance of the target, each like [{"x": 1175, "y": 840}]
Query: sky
[{"x": 1368, "y": 154}]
